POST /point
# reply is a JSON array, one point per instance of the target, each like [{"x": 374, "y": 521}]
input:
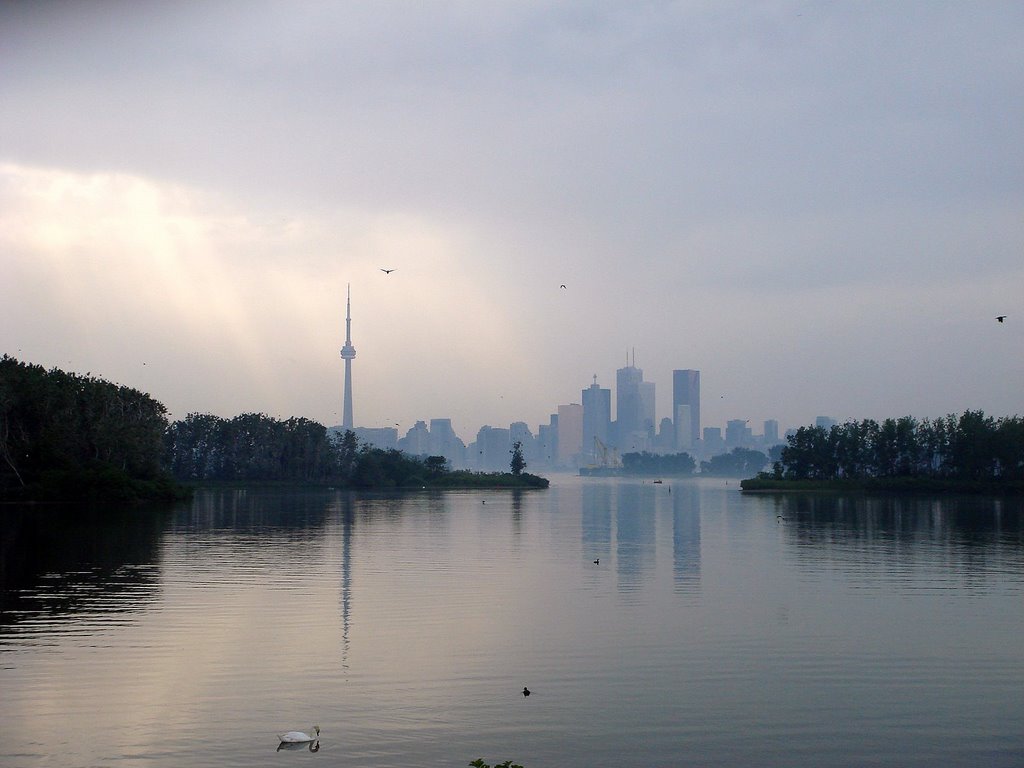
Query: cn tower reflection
[{"x": 347, "y": 526}]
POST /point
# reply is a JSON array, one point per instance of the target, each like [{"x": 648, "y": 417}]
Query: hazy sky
[{"x": 820, "y": 205}]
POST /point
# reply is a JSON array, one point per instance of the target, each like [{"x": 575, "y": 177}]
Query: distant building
[
  {"x": 634, "y": 409},
  {"x": 647, "y": 422},
  {"x": 547, "y": 442},
  {"x": 444, "y": 442},
  {"x": 665, "y": 442},
  {"x": 713, "y": 442},
  {"x": 417, "y": 440},
  {"x": 492, "y": 445},
  {"x": 737, "y": 434},
  {"x": 825, "y": 422},
  {"x": 771, "y": 432},
  {"x": 597, "y": 419},
  {"x": 520, "y": 432},
  {"x": 385, "y": 438},
  {"x": 686, "y": 391},
  {"x": 570, "y": 434},
  {"x": 683, "y": 429}
]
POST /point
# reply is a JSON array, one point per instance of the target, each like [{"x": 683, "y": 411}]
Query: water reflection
[
  {"x": 622, "y": 518},
  {"x": 414, "y": 620},
  {"x": 686, "y": 536},
  {"x": 230, "y": 511},
  {"x": 967, "y": 537},
  {"x": 596, "y": 521},
  {"x": 635, "y": 533},
  {"x": 59, "y": 561},
  {"x": 312, "y": 746},
  {"x": 347, "y": 513}
]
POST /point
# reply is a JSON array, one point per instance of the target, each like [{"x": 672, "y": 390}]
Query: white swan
[{"x": 298, "y": 737}]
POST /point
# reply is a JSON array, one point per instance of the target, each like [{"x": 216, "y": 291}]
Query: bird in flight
[
  {"x": 386, "y": 271},
  {"x": 1000, "y": 318},
  {"x": 562, "y": 286}
]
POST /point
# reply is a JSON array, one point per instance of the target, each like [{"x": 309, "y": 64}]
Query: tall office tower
[
  {"x": 570, "y": 434},
  {"x": 547, "y": 442},
  {"x": 824, "y": 422},
  {"x": 493, "y": 445},
  {"x": 347, "y": 353},
  {"x": 597, "y": 418},
  {"x": 634, "y": 409},
  {"x": 686, "y": 391},
  {"x": 771, "y": 432},
  {"x": 417, "y": 440},
  {"x": 682, "y": 425},
  {"x": 647, "y": 407},
  {"x": 627, "y": 398},
  {"x": 444, "y": 442}
]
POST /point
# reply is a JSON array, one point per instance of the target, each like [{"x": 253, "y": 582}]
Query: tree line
[
  {"x": 970, "y": 447},
  {"x": 646, "y": 463},
  {"x": 257, "y": 447},
  {"x": 69, "y": 435}
]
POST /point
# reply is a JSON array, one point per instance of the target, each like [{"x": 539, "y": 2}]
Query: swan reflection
[{"x": 312, "y": 746}]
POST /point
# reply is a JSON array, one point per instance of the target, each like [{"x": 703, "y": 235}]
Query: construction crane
[{"x": 607, "y": 458}]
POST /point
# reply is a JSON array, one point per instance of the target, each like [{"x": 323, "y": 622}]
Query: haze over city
[{"x": 818, "y": 205}]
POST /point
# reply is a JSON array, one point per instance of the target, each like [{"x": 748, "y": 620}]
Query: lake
[{"x": 714, "y": 629}]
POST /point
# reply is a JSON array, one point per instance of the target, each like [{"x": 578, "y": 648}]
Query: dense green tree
[
  {"x": 739, "y": 462},
  {"x": 66, "y": 435},
  {"x": 645, "y": 463},
  {"x": 518, "y": 463},
  {"x": 254, "y": 446},
  {"x": 347, "y": 450},
  {"x": 971, "y": 447},
  {"x": 436, "y": 465}
]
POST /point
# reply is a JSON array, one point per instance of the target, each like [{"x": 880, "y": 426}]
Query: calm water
[{"x": 853, "y": 632}]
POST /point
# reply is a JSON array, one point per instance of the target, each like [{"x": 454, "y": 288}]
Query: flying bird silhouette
[
  {"x": 526, "y": 691},
  {"x": 1000, "y": 318},
  {"x": 562, "y": 285},
  {"x": 386, "y": 271}
]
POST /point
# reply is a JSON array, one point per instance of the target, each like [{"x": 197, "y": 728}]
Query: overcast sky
[{"x": 819, "y": 205}]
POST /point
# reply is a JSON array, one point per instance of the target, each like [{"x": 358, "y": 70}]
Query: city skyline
[{"x": 816, "y": 205}]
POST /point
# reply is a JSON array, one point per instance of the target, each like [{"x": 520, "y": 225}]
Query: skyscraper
[
  {"x": 347, "y": 353},
  {"x": 686, "y": 391},
  {"x": 597, "y": 417},
  {"x": 570, "y": 434},
  {"x": 634, "y": 409}
]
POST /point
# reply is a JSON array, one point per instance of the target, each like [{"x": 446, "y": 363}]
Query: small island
[
  {"x": 970, "y": 453},
  {"x": 65, "y": 437}
]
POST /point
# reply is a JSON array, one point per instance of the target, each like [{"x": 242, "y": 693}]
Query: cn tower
[{"x": 347, "y": 353}]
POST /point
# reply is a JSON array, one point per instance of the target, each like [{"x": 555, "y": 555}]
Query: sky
[{"x": 819, "y": 205}]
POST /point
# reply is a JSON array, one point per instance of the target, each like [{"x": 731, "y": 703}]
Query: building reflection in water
[
  {"x": 686, "y": 536},
  {"x": 620, "y": 523},
  {"x": 635, "y": 530},
  {"x": 596, "y": 517},
  {"x": 964, "y": 539}
]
